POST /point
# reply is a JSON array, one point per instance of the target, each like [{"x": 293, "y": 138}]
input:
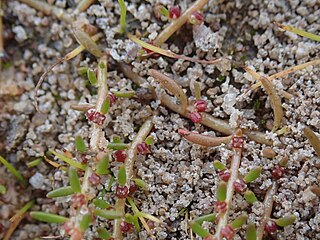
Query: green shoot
[
  {"x": 100, "y": 203},
  {"x": 222, "y": 191},
  {"x": 104, "y": 234},
  {"x": 34, "y": 163},
  {"x": 250, "y": 197},
  {"x": 149, "y": 140},
  {"x": 80, "y": 145},
  {"x": 140, "y": 183},
  {"x": 108, "y": 214},
  {"x": 69, "y": 160},
  {"x": 251, "y": 233},
  {"x": 286, "y": 221},
  {"x": 253, "y": 174},
  {"x": 123, "y": 16},
  {"x": 126, "y": 94},
  {"x": 122, "y": 176},
  {"x": 164, "y": 11},
  {"x": 92, "y": 76},
  {"x": 218, "y": 165},
  {"x": 239, "y": 221},
  {"x": 116, "y": 139},
  {"x": 199, "y": 230},
  {"x": 206, "y": 218},
  {"x": 14, "y": 171},
  {"x": 74, "y": 180},
  {"x": 105, "y": 106},
  {"x": 103, "y": 166},
  {"x": 48, "y": 217},
  {"x": 117, "y": 146},
  {"x": 60, "y": 192},
  {"x": 85, "y": 222}
]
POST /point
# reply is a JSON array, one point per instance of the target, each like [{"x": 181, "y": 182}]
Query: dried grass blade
[
  {"x": 313, "y": 139},
  {"x": 168, "y": 53},
  {"x": 85, "y": 40},
  {"x": 22, "y": 211},
  {"x": 170, "y": 85},
  {"x": 299, "y": 32},
  {"x": 204, "y": 140},
  {"x": 13, "y": 227},
  {"x": 274, "y": 97}
]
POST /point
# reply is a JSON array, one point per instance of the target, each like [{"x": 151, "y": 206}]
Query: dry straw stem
[
  {"x": 235, "y": 164},
  {"x": 204, "y": 140},
  {"x": 84, "y": 4},
  {"x": 274, "y": 97},
  {"x": 49, "y": 10},
  {"x": 207, "y": 119},
  {"x": 129, "y": 163},
  {"x": 313, "y": 139},
  {"x": 168, "y": 53},
  {"x": 286, "y": 72},
  {"x": 13, "y": 226},
  {"x": 170, "y": 85},
  {"x": 268, "y": 204},
  {"x": 67, "y": 57},
  {"x": 298, "y": 31},
  {"x": 102, "y": 95},
  {"x": 178, "y": 23}
]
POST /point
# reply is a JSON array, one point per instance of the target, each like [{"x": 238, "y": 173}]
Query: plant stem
[
  {"x": 129, "y": 163},
  {"x": 102, "y": 95},
  {"x": 235, "y": 164},
  {"x": 268, "y": 204},
  {"x": 49, "y": 10},
  {"x": 178, "y": 23}
]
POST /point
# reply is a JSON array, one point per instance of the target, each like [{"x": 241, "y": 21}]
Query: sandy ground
[{"x": 180, "y": 175}]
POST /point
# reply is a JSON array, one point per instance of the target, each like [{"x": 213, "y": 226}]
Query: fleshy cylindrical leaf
[
  {"x": 239, "y": 221},
  {"x": 222, "y": 191},
  {"x": 74, "y": 180},
  {"x": 60, "y": 192},
  {"x": 80, "y": 145},
  {"x": 85, "y": 222},
  {"x": 103, "y": 166},
  {"x": 48, "y": 217},
  {"x": 285, "y": 221},
  {"x": 100, "y": 203},
  {"x": 251, "y": 233},
  {"x": 92, "y": 76},
  {"x": 199, "y": 230},
  {"x": 122, "y": 176},
  {"x": 108, "y": 214},
  {"x": 104, "y": 233},
  {"x": 206, "y": 218},
  {"x": 250, "y": 197},
  {"x": 253, "y": 174},
  {"x": 219, "y": 165}
]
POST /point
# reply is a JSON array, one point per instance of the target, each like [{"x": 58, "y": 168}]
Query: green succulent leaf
[
  {"x": 222, "y": 191},
  {"x": 122, "y": 176},
  {"x": 60, "y": 192},
  {"x": 239, "y": 221},
  {"x": 199, "y": 230},
  {"x": 74, "y": 180},
  {"x": 206, "y": 218},
  {"x": 80, "y": 145},
  {"x": 92, "y": 76},
  {"x": 219, "y": 165},
  {"x": 250, "y": 197},
  {"x": 48, "y": 217},
  {"x": 253, "y": 174},
  {"x": 108, "y": 214},
  {"x": 251, "y": 233},
  {"x": 286, "y": 221},
  {"x": 103, "y": 166}
]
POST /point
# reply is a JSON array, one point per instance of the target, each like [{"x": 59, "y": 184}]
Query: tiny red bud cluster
[
  {"x": 84, "y": 159},
  {"x": 278, "y": 172},
  {"x": 133, "y": 188},
  {"x": 122, "y": 191},
  {"x": 78, "y": 200},
  {"x": 201, "y": 105},
  {"x": 126, "y": 227},
  {"x": 174, "y": 12},
  {"x": 143, "y": 148},
  {"x": 95, "y": 116},
  {"x": 196, "y": 18},
  {"x": 94, "y": 179},
  {"x": 112, "y": 98},
  {"x": 120, "y": 156},
  {"x": 271, "y": 227},
  {"x": 237, "y": 142},
  {"x": 240, "y": 186},
  {"x": 228, "y": 232},
  {"x": 224, "y": 175},
  {"x": 195, "y": 117},
  {"x": 220, "y": 206}
]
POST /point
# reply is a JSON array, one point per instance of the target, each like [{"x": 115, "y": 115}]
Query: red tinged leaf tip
[
  {"x": 271, "y": 227},
  {"x": 237, "y": 142},
  {"x": 143, "y": 148},
  {"x": 122, "y": 191},
  {"x": 174, "y": 12},
  {"x": 126, "y": 227},
  {"x": 220, "y": 207},
  {"x": 196, "y": 18},
  {"x": 240, "y": 186},
  {"x": 195, "y": 117},
  {"x": 112, "y": 98},
  {"x": 120, "y": 156},
  {"x": 94, "y": 179},
  {"x": 201, "y": 105},
  {"x": 227, "y": 232},
  {"x": 278, "y": 172},
  {"x": 224, "y": 175}
]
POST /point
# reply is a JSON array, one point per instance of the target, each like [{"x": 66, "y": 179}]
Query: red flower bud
[
  {"x": 271, "y": 227},
  {"x": 174, "y": 12},
  {"x": 278, "y": 172},
  {"x": 224, "y": 175},
  {"x": 201, "y": 105},
  {"x": 122, "y": 191},
  {"x": 240, "y": 186},
  {"x": 220, "y": 206},
  {"x": 237, "y": 142},
  {"x": 195, "y": 117},
  {"x": 120, "y": 156},
  {"x": 143, "y": 148}
]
